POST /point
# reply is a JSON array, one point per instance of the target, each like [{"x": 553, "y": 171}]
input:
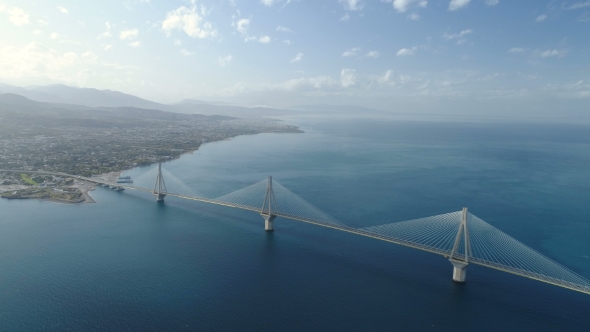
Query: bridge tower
[
  {"x": 461, "y": 260},
  {"x": 268, "y": 206},
  {"x": 160, "y": 186}
]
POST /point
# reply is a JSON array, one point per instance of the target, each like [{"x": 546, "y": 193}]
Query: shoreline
[{"x": 86, "y": 187}]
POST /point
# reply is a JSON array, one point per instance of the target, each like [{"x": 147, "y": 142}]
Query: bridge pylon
[
  {"x": 461, "y": 260},
  {"x": 268, "y": 206},
  {"x": 160, "y": 186}
]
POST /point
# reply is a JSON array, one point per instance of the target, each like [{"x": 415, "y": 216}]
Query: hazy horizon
[{"x": 460, "y": 57}]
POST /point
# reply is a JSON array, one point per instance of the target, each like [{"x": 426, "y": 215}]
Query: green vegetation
[
  {"x": 28, "y": 180},
  {"x": 66, "y": 195}
]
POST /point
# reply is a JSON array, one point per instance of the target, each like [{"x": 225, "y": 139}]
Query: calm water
[{"x": 127, "y": 263}]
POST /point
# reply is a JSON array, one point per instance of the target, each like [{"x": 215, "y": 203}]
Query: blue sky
[{"x": 411, "y": 55}]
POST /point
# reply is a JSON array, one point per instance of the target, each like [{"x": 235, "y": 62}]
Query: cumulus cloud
[
  {"x": 283, "y": 29},
  {"x": 135, "y": 44},
  {"x": 18, "y": 16},
  {"x": 541, "y": 18},
  {"x": 352, "y": 4},
  {"x": 185, "y": 52},
  {"x": 129, "y": 34},
  {"x": 242, "y": 25},
  {"x": 345, "y": 18},
  {"x": 297, "y": 58},
  {"x": 54, "y": 35},
  {"x": 189, "y": 21},
  {"x": 107, "y": 33},
  {"x": 268, "y": 2},
  {"x": 107, "y": 47},
  {"x": 386, "y": 77},
  {"x": 224, "y": 61},
  {"x": 264, "y": 39},
  {"x": 461, "y": 34},
  {"x": 35, "y": 60},
  {"x": 42, "y": 23},
  {"x": 553, "y": 53},
  {"x": 458, "y": 4},
  {"x": 347, "y": 77},
  {"x": 89, "y": 56},
  {"x": 373, "y": 54},
  {"x": 492, "y": 2},
  {"x": 351, "y": 52},
  {"x": 405, "y": 52},
  {"x": 414, "y": 16},
  {"x": 62, "y": 9},
  {"x": 403, "y": 5}
]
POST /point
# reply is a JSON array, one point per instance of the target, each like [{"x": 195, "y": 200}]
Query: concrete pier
[
  {"x": 160, "y": 197},
  {"x": 268, "y": 222},
  {"x": 459, "y": 271}
]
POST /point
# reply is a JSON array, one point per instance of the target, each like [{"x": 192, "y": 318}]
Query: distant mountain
[
  {"x": 18, "y": 104},
  {"x": 74, "y": 98}
]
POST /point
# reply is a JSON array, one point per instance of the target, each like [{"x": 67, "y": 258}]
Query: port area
[{"x": 50, "y": 188}]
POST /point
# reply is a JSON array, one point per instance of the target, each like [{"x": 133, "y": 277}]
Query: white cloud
[
  {"x": 42, "y": 23},
  {"x": 186, "y": 52},
  {"x": 37, "y": 32},
  {"x": 107, "y": 33},
  {"x": 492, "y": 2},
  {"x": 300, "y": 83},
  {"x": 347, "y": 77},
  {"x": 373, "y": 54},
  {"x": 541, "y": 18},
  {"x": 405, "y": 52},
  {"x": 386, "y": 77},
  {"x": 129, "y": 34},
  {"x": 224, "y": 61},
  {"x": 18, "y": 16},
  {"x": 577, "y": 5},
  {"x": 458, "y": 4},
  {"x": 352, "y": 52},
  {"x": 190, "y": 22},
  {"x": 135, "y": 44},
  {"x": 177, "y": 42},
  {"x": 89, "y": 56},
  {"x": 352, "y": 4},
  {"x": 264, "y": 39},
  {"x": 287, "y": 42},
  {"x": 403, "y": 5},
  {"x": 517, "y": 50},
  {"x": 553, "y": 53},
  {"x": 268, "y": 2},
  {"x": 54, "y": 35},
  {"x": 242, "y": 25},
  {"x": 345, "y": 18},
  {"x": 37, "y": 61},
  {"x": 107, "y": 47},
  {"x": 414, "y": 16},
  {"x": 62, "y": 9},
  {"x": 283, "y": 29},
  {"x": 297, "y": 58},
  {"x": 447, "y": 36}
]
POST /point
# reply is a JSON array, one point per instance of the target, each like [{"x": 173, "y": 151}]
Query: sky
[{"x": 463, "y": 56}]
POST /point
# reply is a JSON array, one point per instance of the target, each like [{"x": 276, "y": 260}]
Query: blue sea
[{"x": 127, "y": 263}]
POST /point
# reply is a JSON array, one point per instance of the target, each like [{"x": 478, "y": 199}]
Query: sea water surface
[{"x": 127, "y": 263}]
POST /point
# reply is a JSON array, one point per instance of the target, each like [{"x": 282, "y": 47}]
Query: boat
[
  {"x": 119, "y": 188},
  {"x": 119, "y": 180}
]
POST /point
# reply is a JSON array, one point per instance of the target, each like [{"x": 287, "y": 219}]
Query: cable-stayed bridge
[{"x": 459, "y": 236}]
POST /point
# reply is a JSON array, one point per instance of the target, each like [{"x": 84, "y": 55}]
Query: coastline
[{"x": 86, "y": 187}]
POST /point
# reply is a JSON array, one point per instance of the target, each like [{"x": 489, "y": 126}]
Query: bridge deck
[{"x": 434, "y": 250}]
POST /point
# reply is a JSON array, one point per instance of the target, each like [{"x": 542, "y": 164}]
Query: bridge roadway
[{"x": 445, "y": 253}]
